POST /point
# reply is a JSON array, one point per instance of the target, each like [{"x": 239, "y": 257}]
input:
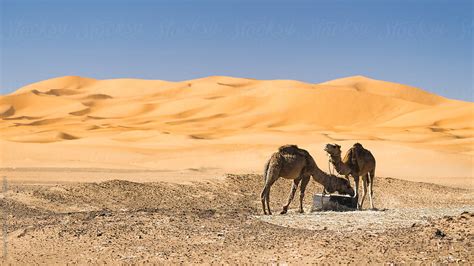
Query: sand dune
[
  {"x": 387, "y": 89},
  {"x": 232, "y": 124}
]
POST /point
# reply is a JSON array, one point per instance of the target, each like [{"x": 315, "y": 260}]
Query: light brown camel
[
  {"x": 291, "y": 162},
  {"x": 357, "y": 162}
]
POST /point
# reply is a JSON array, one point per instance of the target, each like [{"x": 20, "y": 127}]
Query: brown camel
[
  {"x": 291, "y": 162},
  {"x": 357, "y": 162}
]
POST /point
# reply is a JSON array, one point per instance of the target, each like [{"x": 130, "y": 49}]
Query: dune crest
[
  {"x": 232, "y": 123},
  {"x": 388, "y": 89}
]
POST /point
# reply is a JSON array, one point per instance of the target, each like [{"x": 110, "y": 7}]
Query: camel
[
  {"x": 357, "y": 162},
  {"x": 291, "y": 162}
]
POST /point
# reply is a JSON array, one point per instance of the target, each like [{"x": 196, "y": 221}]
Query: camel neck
[
  {"x": 335, "y": 159},
  {"x": 341, "y": 168},
  {"x": 321, "y": 177}
]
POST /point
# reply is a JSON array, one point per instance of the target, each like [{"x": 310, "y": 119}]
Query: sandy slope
[{"x": 223, "y": 124}]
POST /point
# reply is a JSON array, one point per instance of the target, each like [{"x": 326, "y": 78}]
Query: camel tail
[{"x": 267, "y": 164}]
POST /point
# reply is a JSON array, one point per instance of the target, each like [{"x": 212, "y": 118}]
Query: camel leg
[
  {"x": 272, "y": 176},
  {"x": 364, "y": 190},
  {"x": 371, "y": 192},
  {"x": 304, "y": 183},
  {"x": 262, "y": 196},
  {"x": 267, "y": 199},
  {"x": 266, "y": 196},
  {"x": 296, "y": 182},
  {"x": 356, "y": 186}
]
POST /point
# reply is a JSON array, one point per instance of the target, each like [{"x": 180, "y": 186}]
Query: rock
[{"x": 439, "y": 233}]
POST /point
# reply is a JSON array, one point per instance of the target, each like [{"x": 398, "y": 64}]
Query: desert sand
[
  {"x": 129, "y": 170},
  {"x": 231, "y": 125}
]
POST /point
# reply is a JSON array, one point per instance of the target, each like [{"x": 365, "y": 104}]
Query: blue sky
[{"x": 427, "y": 44}]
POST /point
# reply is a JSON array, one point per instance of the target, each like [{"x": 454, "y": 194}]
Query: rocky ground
[{"x": 221, "y": 221}]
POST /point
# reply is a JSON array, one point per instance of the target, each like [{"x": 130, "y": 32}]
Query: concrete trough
[{"x": 333, "y": 203}]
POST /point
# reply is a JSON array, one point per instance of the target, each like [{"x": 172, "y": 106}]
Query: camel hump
[
  {"x": 351, "y": 157},
  {"x": 288, "y": 148},
  {"x": 293, "y": 150},
  {"x": 357, "y": 145},
  {"x": 361, "y": 153},
  {"x": 359, "y": 150}
]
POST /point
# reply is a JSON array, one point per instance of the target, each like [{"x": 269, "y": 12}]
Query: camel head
[
  {"x": 341, "y": 185},
  {"x": 333, "y": 149}
]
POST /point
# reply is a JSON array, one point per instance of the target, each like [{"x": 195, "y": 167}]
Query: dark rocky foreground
[{"x": 220, "y": 221}]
